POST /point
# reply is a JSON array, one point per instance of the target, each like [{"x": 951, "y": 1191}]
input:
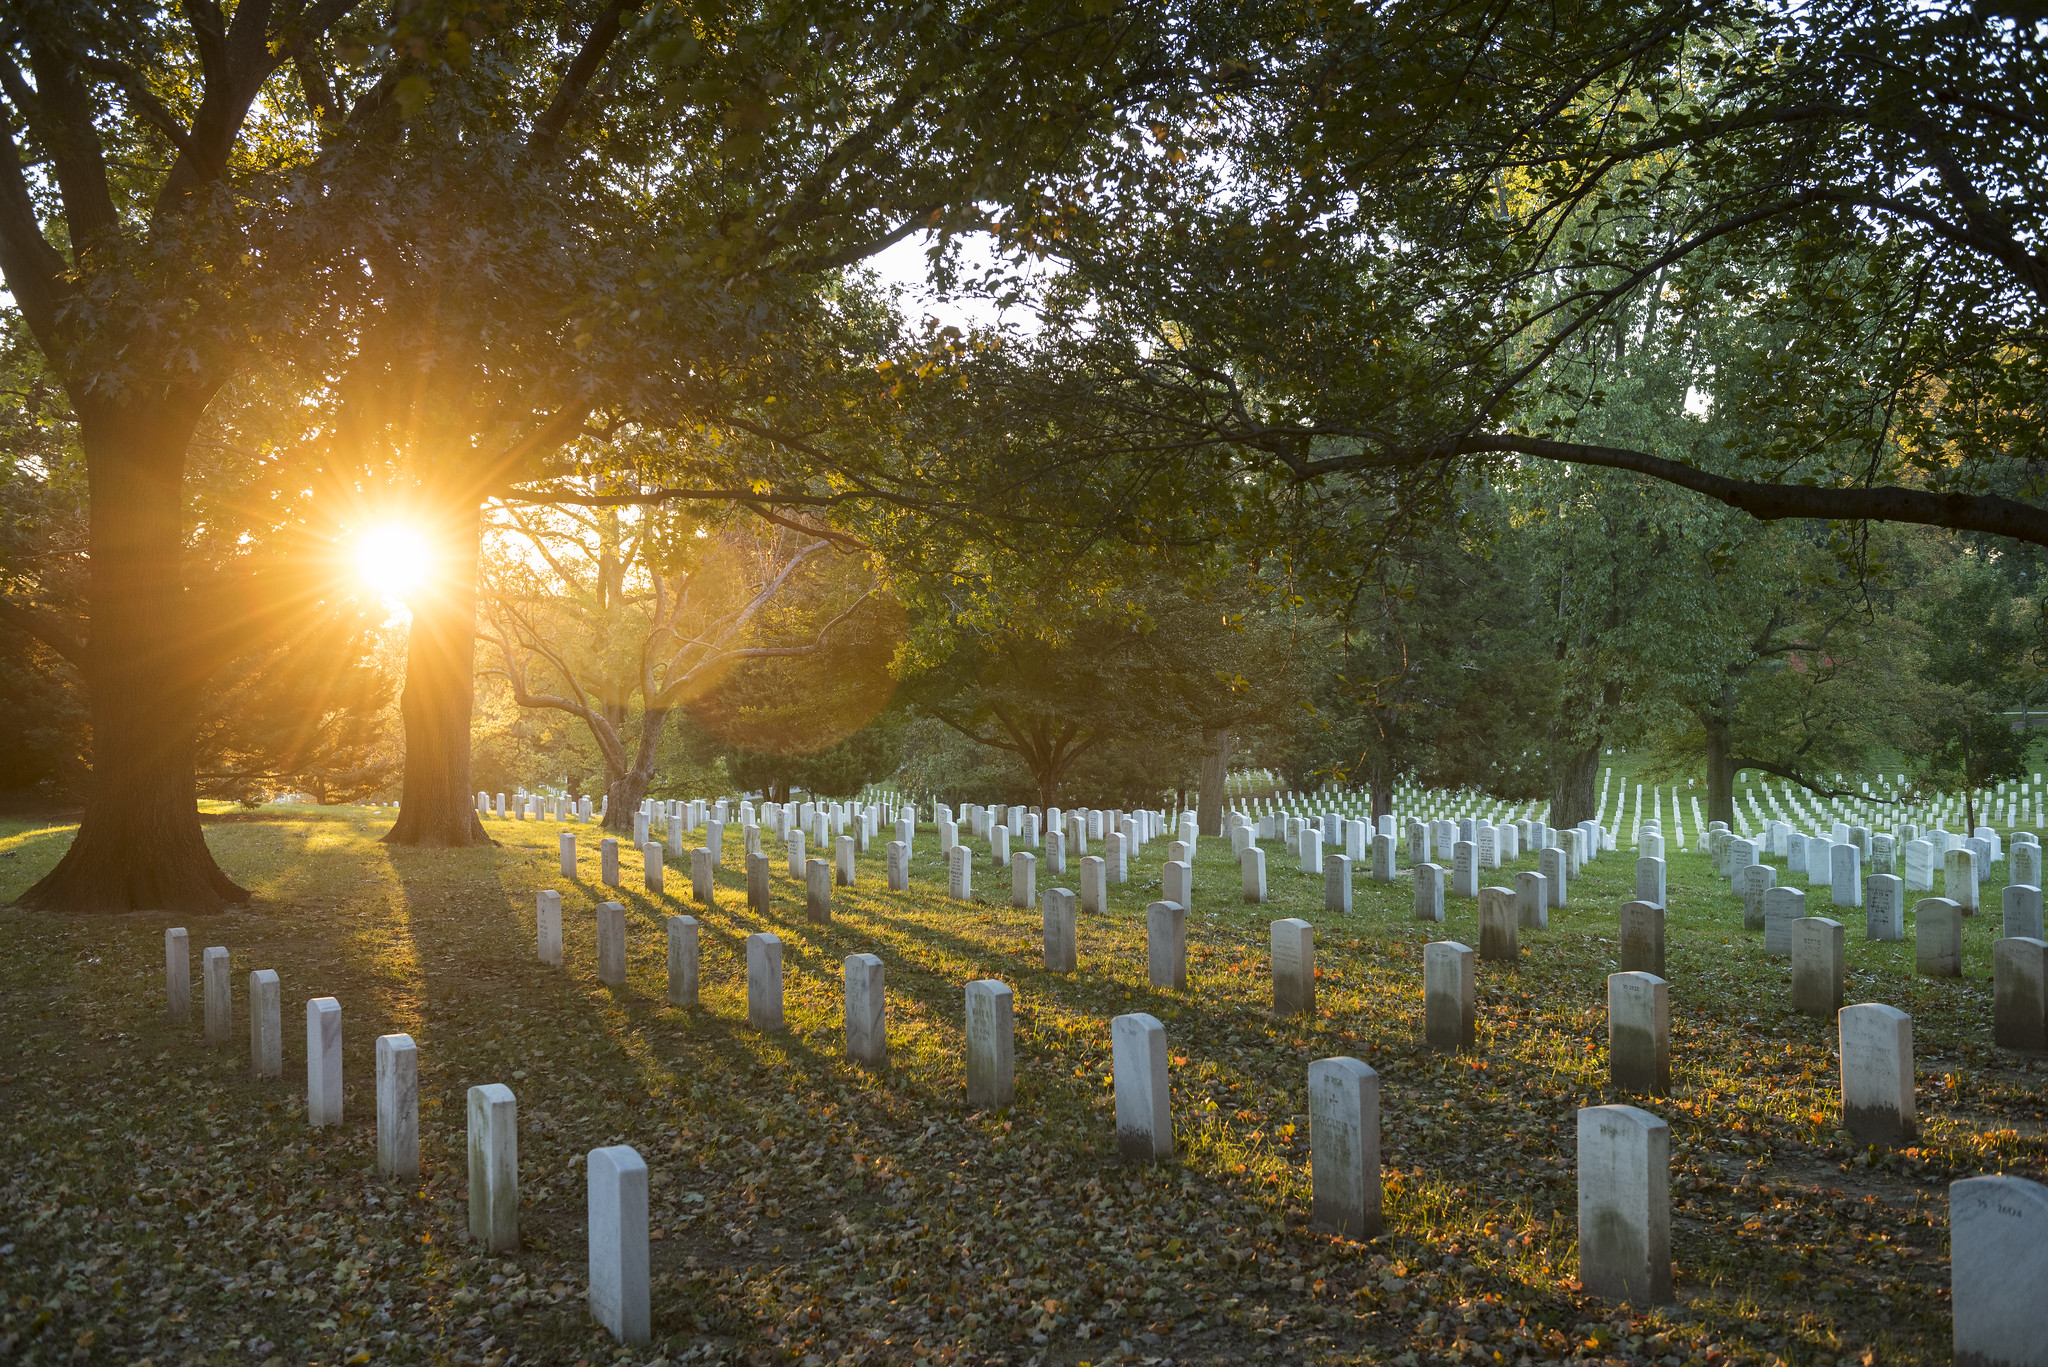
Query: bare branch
[{"x": 569, "y": 95}]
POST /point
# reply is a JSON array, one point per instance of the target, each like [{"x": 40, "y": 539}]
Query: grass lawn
[{"x": 160, "y": 1205}]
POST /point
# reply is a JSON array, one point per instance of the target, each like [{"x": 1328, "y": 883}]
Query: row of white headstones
[
  {"x": 620, "y": 1283},
  {"x": 1623, "y": 1151},
  {"x": 1875, "y": 1040}
]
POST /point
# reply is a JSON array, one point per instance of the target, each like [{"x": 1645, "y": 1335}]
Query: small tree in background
[{"x": 619, "y": 620}]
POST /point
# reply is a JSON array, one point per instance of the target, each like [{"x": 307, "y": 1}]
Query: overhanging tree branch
[
  {"x": 1770, "y": 501},
  {"x": 46, "y": 629},
  {"x": 1819, "y": 789}
]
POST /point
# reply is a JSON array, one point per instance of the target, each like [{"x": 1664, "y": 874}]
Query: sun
[{"x": 393, "y": 559}]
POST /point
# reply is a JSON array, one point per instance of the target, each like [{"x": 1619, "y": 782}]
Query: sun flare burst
[{"x": 393, "y": 559}]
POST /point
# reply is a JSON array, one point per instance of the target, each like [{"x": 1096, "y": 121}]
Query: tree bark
[
  {"x": 629, "y": 789},
  {"x": 1382, "y": 793},
  {"x": 1215, "y": 773},
  {"x": 140, "y": 846},
  {"x": 437, "y": 807},
  {"x": 1573, "y": 791},
  {"x": 1720, "y": 768}
]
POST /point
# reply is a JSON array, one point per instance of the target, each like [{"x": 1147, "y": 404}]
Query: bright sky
[{"x": 905, "y": 265}]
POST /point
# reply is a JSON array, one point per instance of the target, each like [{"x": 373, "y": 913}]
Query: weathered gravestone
[
  {"x": 620, "y": 1285},
  {"x": 1817, "y": 966},
  {"x": 1449, "y": 996},
  {"x": 764, "y": 980},
  {"x": 1024, "y": 879},
  {"x": 1116, "y": 858},
  {"x": 1337, "y": 883},
  {"x": 1463, "y": 870},
  {"x": 867, "y": 1010},
  {"x": 682, "y": 960},
  {"x": 266, "y": 1025},
  {"x": 1650, "y": 880},
  {"x": 323, "y": 1062},
  {"x": 214, "y": 968},
  {"x": 1741, "y": 855},
  {"x": 1144, "y": 1113},
  {"x": 398, "y": 1106},
  {"x": 2024, "y": 864},
  {"x": 2022, "y": 904},
  {"x": 960, "y": 873},
  {"x": 1753, "y": 883},
  {"x": 1783, "y": 908},
  {"x": 494, "y": 1168},
  {"x": 2019, "y": 994},
  {"x": 1639, "y": 1032},
  {"x": 1642, "y": 938},
  {"x": 1845, "y": 883},
  {"x": 1429, "y": 892},
  {"x": 1884, "y": 909},
  {"x": 1498, "y": 922},
  {"x": 177, "y": 975},
  {"x": 1938, "y": 937},
  {"x": 1959, "y": 879},
  {"x": 1552, "y": 863},
  {"x": 547, "y": 921},
  {"x": 1998, "y": 1271},
  {"x": 1294, "y": 968},
  {"x": 703, "y": 878},
  {"x": 1344, "y": 1148},
  {"x": 1877, "y": 1074},
  {"x": 818, "y": 892},
  {"x": 1917, "y": 865},
  {"x": 1624, "y": 1205},
  {"x": 611, "y": 944},
  {"x": 1532, "y": 900},
  {"x": 1061, "y": 953}
]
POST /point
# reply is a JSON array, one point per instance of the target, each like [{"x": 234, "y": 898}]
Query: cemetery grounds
[{"x": 160, "y": 1207}]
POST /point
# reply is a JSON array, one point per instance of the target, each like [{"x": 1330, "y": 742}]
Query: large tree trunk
[
  {"x": 1573, "y": 790},
  {"x": 629, "y": 789},
  {"x": 1382, "y": 792},
  {"x": 1720, "y": 768},
  {"x": 437, "y": 807},
  {"x": 1215, "y": 774},
  {"x": 139, "y": 846}
]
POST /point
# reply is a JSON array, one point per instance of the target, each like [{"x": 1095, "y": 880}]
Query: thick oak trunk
[
  {"x": 437, "y": 807},
  {"x": 629, "y": 789},
  {"x": 1215, "y": 774},
  {"x": 1573, "y": 789},
  {"x": 139, "y": 846},
  {"x": 1720, "y": 764}
]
